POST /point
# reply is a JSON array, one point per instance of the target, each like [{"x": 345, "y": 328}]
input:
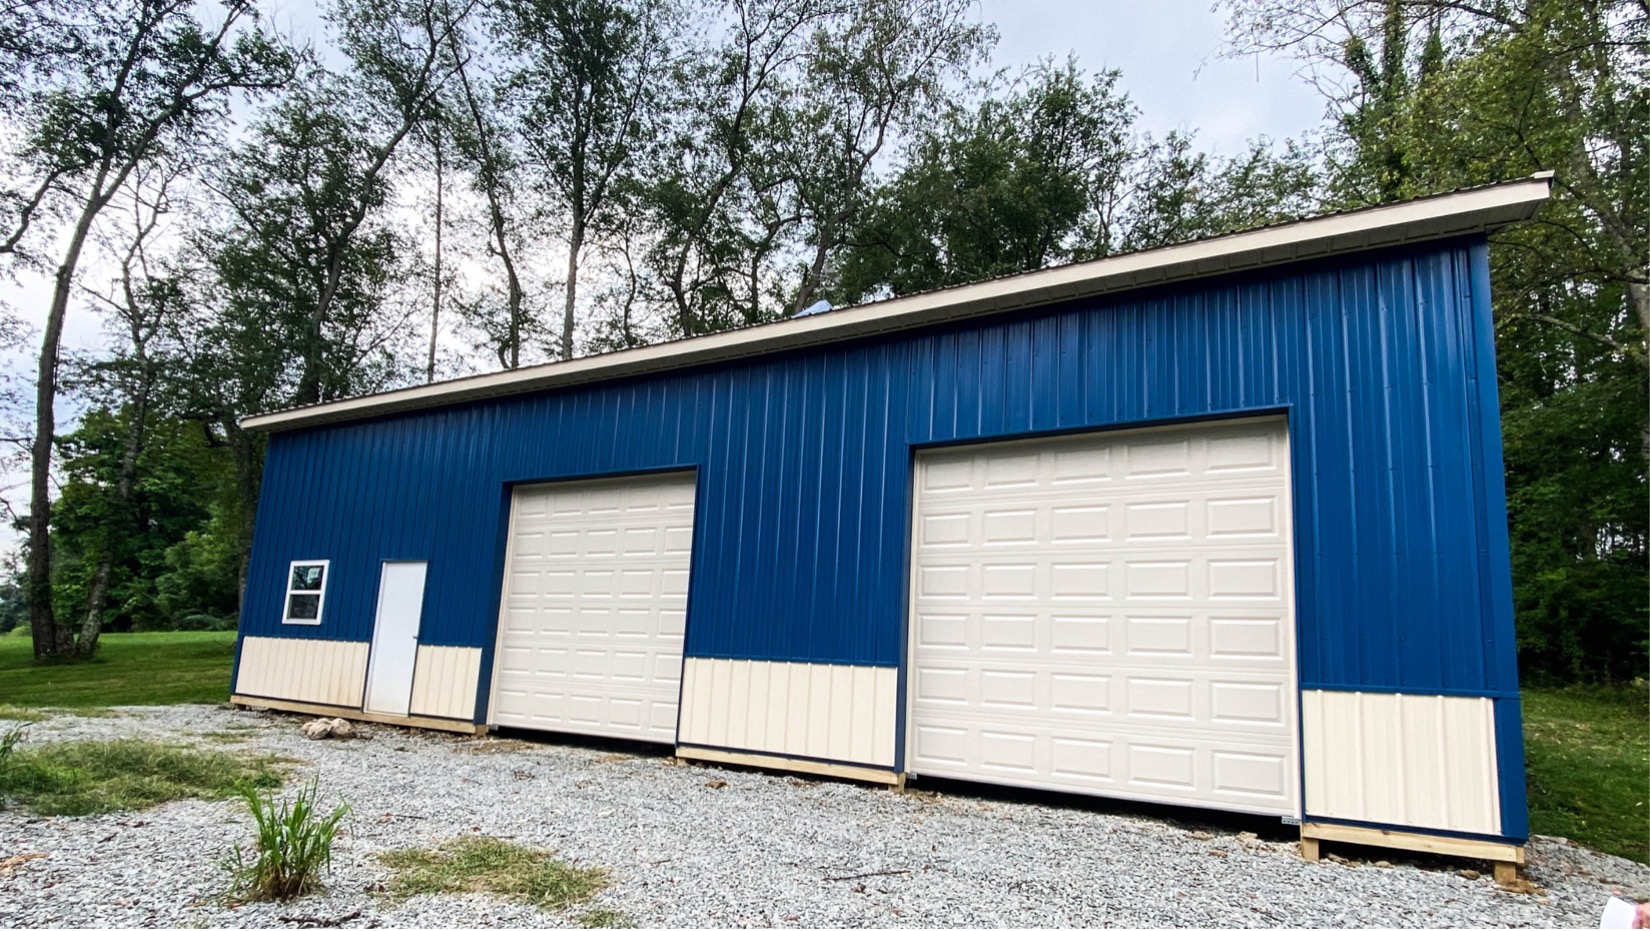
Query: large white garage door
[
  {"x": 1109, "y": 614},
  {"x": 594, "y": 607}
]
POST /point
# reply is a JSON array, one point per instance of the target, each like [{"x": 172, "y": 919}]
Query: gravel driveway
[{"x": 761, "y": 849}]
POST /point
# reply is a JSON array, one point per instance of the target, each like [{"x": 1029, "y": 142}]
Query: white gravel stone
[{"x": 760, "y": 850}]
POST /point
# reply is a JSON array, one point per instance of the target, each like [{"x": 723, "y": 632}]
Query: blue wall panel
[{"x": 1383, "y": 363}]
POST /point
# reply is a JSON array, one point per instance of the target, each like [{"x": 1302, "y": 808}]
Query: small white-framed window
[{"x": 306, "y": 591}]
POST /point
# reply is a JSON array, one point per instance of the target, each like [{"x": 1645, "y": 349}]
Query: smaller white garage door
[
  {"x": 594, "y": 607},
  {"x": 1109, "y": 614}
]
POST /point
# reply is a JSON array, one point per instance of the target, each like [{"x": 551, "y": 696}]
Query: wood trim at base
[
  {"x": 792, "y": 764},
  {"x": 1314, "y": 831},
  {"x": 356, "y": 714}
]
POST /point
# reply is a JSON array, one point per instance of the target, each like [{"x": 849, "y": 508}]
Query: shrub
[
  {"x": 293, "y": 846},
  {"x": 205, "y": 622}
]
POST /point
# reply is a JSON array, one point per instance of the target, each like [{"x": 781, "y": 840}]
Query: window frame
[{"x": 320, "y": 603}]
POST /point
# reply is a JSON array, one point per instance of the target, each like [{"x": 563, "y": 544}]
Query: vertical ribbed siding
[
  {"x": 444, "y": 682},
  {"x": 825, "y": 712},
  {"x": 325, "y": 672},
  {"x": 1380, "y": 361},
  {"x": 1425, "y": 761}
]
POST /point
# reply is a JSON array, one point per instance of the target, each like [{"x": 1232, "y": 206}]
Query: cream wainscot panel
[
  {"x": 1425, "y": 761},
  {"x": 323, "y": 672},
  {"x": 843, "y": 714},
  {"x": 444, "y": 682}
]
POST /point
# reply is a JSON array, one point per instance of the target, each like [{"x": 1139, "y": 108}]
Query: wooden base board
[
  {"x": 1507, "y": 858},
  {"x": 356, "y": 714},
  {"x": 794, "y": 765}
]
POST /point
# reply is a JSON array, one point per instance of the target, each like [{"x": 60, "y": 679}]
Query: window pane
[
  {"x": 303, "y": 607},
  {"x": 307, "y": 578}
]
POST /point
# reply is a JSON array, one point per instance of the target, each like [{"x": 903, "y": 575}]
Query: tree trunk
[
  {"x": 50, "y": 639},
  {"x": 575, "y": 242},
  {"x": 435, "y": 311},
  {"x": 248, "y": 477},
  {"x": 97, "y": 595}
]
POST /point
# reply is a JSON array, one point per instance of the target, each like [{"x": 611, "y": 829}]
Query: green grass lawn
[
  {"x": 1588, "y": 759},
  {"x": 129, "y": 669}
]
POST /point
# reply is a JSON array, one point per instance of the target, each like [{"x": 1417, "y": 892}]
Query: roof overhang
[{"x": 1441, "y": 216}]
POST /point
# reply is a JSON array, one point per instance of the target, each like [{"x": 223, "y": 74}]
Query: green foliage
[
  {"x": 604, "y": 918},
  {"x": 93, "y": 777},
  {"x": 1054, "y": 171},
  {"x": 493, "y": 866},
  {"x": 130, "y": 669},
  {"x": 305, "y": 267},
  {"x": 292, "y": 846},
  {"x": 1588, "y": 756},
  {"x": 152, "y": 538}
]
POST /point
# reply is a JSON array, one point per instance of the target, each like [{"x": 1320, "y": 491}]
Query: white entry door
[
  {"x": 395, "y": 637},
  {"x": 1109, "y": 614},
  {"x": 594, "y": 607}
]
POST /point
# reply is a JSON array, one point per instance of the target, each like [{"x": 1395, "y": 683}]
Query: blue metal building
[{"x": 1219, "y": 524}]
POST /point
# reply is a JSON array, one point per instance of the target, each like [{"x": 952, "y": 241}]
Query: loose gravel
[{"x": 689, "y": 846}]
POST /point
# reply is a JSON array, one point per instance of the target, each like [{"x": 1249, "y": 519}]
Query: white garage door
[
  {"x": 594, "y": 607},
  {"x": 1110, "y": 614}
]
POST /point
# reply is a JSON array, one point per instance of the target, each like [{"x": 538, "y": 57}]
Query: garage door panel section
[
  {"x": 1109, "y": 614},
  {"x": 595, "y": 606}
]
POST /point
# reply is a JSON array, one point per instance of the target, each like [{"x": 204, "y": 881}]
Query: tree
[
  {"x": 705, "y": 205},
  {"x": 1436, "y": 94},
  {"x": 287, "y": 296},
  {"x": 584, "y": 91},
  {"x": 1024, "y": 180},
  {"x": 141, "y": 77},
  {"x": 1180, "y": 194},
  {"x": 143, "y": 296},
  {"x": 862, "y": 89}
]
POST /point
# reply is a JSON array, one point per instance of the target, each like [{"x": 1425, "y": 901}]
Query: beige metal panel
[
  {"x": 327, "y": 672},
  {"x": 1425, "y": 761},
  {"x": 827, "y": 712},
  {"x": 1418, "y": 220},
  {"x": 444, "y": 682}
]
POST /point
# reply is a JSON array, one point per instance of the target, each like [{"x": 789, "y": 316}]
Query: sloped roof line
[{"x": 1439, "y": 216}]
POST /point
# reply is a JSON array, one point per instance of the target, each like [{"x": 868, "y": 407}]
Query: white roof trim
[{"x": 1437, "y": 217}]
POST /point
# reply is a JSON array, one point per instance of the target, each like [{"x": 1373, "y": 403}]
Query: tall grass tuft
[
  {"x": 8, "y": 745},
  {"x": 293, "y": 846}
]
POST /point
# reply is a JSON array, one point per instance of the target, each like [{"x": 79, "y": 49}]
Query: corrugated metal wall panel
[
  {"x": 833, "y": 712},
  {"x": 1425, "y": 761},
  {"x": 1381, "y": 362},
  {"x": 326, "y": 672},
  {"x": 444, "y": 682}
]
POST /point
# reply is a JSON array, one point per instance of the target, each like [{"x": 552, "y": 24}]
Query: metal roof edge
[{"x": 1428, "y": 218}]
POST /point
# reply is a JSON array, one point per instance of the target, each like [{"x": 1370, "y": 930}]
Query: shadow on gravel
[
  {"x": 1192, "y": 819},
  {"x": 602, "y": 744}
]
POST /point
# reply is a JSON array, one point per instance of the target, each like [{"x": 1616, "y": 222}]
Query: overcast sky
[{"x": 1168, "y": 51}]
